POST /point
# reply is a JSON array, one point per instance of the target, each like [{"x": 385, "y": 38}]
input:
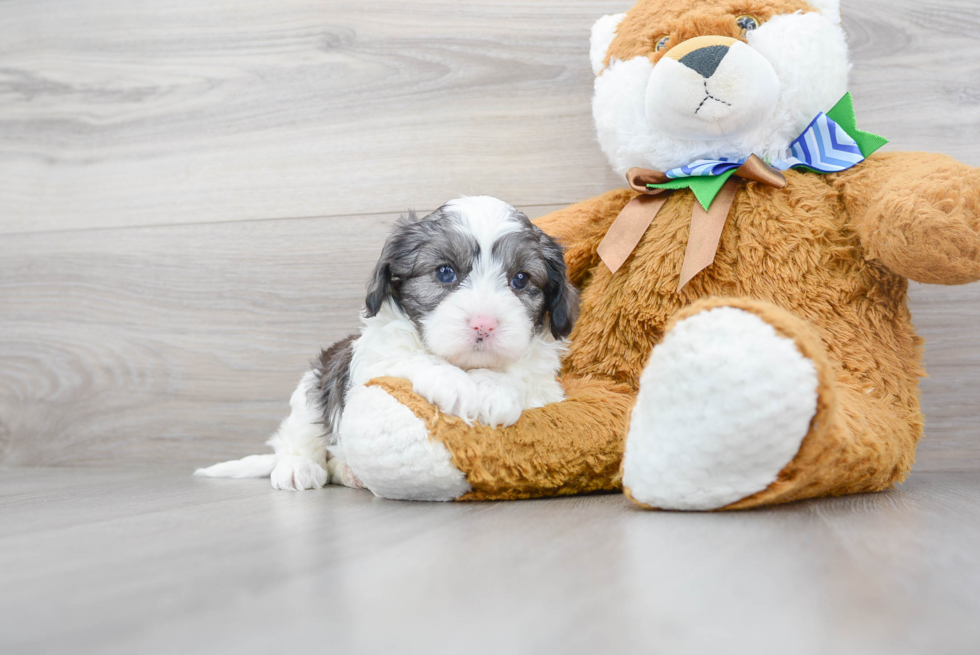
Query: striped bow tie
[{"x": 830, "y": 144}]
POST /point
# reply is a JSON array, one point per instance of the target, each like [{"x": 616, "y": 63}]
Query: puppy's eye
[
  {"x": 747, "y": 23},
  {"x": 520, "y": 281},
  {"x": 446, "y": 274},
  {"x": 662, "y": 43}
]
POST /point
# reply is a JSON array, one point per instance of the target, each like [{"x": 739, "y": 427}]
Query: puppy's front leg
[
  {"x": 340, "y": 471},
  {"x": 447, "y": 387},
  {"x": 300, "y": 444},
  {"x": 502, "y": 397}
]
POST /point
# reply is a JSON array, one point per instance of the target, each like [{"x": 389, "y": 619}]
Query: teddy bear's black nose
[{"x": 705, "y": 60}]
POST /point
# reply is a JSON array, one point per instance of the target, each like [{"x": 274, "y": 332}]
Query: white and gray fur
[{"x": 418, "y": 326}]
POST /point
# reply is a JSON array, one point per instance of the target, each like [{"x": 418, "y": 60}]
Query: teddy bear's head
[{"x": 683, "y": 80}]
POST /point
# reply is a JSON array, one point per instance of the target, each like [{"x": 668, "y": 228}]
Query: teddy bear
[{"x": 744, "y": 337}]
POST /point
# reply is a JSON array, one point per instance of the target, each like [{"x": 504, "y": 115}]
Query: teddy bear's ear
[
  {"x": 829, "y": 8},
  {"x": 603, "y": 33}
]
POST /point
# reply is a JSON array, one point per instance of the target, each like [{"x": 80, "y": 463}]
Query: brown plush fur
[
  {"x": 810, "y": 259},
  {"x": 934, "y": 238},
  {"x": 680, "y": 20},
  {"x": 572, "y": 447},
  {"x": 824, "y": 260}
]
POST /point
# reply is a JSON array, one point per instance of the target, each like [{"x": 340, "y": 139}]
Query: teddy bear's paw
[
  {"x": 298, "y": 473},
  {"x": 389, "y": 450},
  {"x": 723, "y": 406}
]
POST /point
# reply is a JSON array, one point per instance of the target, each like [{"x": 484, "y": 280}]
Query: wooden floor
[
  {"x": 136, "y": 561},
  {"x": 191, "y": 197}
]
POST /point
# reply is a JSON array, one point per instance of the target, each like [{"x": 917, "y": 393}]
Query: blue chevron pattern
[
  {"x": 823, "y": 146},
  {"x": 705, "y": 168}
]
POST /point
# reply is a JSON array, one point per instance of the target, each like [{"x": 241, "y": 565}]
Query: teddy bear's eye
[
  {"x": 747, "y": 23},
  {"x": 662, "y": 43}
]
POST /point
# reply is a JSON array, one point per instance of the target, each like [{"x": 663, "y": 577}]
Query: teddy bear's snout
[
  {"x": 705, "y": 61},
  {"x": 710, "y": 87}
]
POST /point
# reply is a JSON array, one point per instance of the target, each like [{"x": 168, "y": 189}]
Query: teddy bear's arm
[
  {"x": 400, "y": 446},
  {"x": 916, "y": 213},
  {"x": 581, "y": 227}
]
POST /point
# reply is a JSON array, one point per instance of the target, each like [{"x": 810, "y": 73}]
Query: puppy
[{"x": 470, "y": 303}]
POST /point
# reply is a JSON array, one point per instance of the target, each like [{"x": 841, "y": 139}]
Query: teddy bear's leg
[
  {"x": 399, "y": 446},
  {"x": 741, "y": 406}
]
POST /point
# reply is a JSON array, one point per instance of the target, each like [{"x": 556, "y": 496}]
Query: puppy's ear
[
  {"x": 560, "y": 297},
  {"x": 397, "y": 256},
  {"x": 379, "y": 288},
  {"x": 385, "y": 283}
]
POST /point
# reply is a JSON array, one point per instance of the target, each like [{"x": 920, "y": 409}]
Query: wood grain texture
[
  {"x": 113, "y": 114},
  {"x": 155, "y": 561},
  {"x": 184, "y": 111},
  {"x": 155, "y": 304},
  {"x": 163, "y": 344},
  {"x": 149, "y": 344},
  {"x": 183, "y": 343}
]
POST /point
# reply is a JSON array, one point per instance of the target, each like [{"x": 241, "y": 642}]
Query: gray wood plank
[
  {"x": 117, "y": 114},
  {"x": 143, "y": 345},
  {"x": 104, "y": 561},
  {"x": 182, "y": 344},
  {"x": 114, "y": 114},
  {"x": 177, "y": 343},
  {"x": 949, "y": 320}
]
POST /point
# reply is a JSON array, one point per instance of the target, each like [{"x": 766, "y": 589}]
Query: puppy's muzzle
[{"x": 483, "y": 327}]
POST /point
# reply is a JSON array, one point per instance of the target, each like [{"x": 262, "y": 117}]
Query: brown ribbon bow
[{"x": 706, "y": 226}]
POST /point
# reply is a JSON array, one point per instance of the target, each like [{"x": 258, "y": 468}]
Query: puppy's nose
[
  {"x": 705, "y": 60},
  {"x": 483, "y": 325}
]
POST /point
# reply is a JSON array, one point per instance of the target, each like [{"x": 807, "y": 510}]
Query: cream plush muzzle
[{"x": 709, "y": 88}]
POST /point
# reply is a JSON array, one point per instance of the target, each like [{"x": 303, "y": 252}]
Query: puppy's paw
[
  {"x": 451, "y": 390},
  {"x": 501, "y": 398},
  {"x": 341, "y": 473},
  {"x": 296, "y": 473}
]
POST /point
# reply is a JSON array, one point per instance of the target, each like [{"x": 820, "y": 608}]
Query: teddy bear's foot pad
[
  {"x": 389, "y": 450},
  {"x": 723, "y": 406}
]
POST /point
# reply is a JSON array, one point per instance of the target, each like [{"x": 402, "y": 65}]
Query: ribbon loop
[
  {"x": 640, "y": 180},
  {"x": 759, "y": 171}
]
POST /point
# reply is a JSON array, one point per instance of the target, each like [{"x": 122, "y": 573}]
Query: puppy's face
[{"x": 478, "y": 279}]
